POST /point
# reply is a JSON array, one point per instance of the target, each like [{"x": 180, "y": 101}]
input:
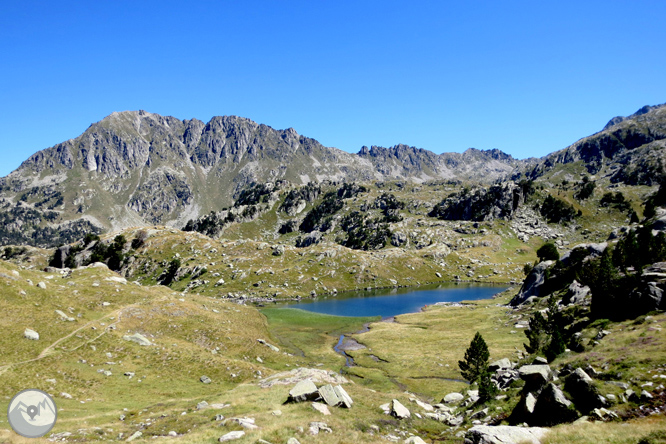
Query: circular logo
[{"x": 32, "y": 413}]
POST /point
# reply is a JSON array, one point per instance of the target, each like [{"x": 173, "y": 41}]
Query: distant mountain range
[{"x": 135, "y": 168}]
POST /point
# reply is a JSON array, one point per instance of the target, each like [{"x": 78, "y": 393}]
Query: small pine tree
[
  {"x": 487, "y": 387},
  {"x": 476, "y": 359},
  {"x": 537, "y": 334},
  {"x": 556, "y": 346}
]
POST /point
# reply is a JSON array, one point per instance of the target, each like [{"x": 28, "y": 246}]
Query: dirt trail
[{"x": 49, "y": 349}]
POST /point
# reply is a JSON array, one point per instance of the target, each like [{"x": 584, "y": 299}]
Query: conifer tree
[{"x": 476, "y": 359}]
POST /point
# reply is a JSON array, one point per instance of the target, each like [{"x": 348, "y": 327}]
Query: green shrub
[{"x": 548, "y": 252}]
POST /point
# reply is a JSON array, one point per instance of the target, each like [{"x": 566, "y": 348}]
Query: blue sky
[{"x": 525, "y": 77}]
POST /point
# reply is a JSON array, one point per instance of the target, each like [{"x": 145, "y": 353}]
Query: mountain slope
[
  {"x": 629, "y": 150},
  {"x": 137, "y": 168}
]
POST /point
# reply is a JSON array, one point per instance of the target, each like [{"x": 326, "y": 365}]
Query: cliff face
[{"x": 137, "y": 168}]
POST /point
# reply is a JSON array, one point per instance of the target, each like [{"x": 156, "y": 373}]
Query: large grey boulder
[
  {"x": 583, "y": 391},
  {"x": 483, "y": 434},
  {"x": 303, "y": 391},
  {"x": 535, "y": 376},
  {"x": 532, "y": 284},
  {"x": 553, "y": 408},
  {"x": 399, "y": 411}
]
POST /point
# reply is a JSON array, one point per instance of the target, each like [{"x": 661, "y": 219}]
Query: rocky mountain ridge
[{"x": 138, "y": 168}]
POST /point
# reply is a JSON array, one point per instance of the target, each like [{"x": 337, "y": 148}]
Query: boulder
[
  {"x": 327, "y": 392},
  {"x": 271, "y": 346},
  {"x": 482, "y": 434},
  {"x": 64, "y": 316},
  {"x": 293, "y": 441},
  {"x": 321, "y": 408},
  {"x": 134, "y": 436},
  {"x": 452, "y": 397},
  {"x": 647, "y": 297},
  {"x": 504, "y": 377},
  {"x": 535, "y": 376},
  {"x": 246, "y": 423},
  {"x": 425, "y": 406},
  {"x": 41, "y": 285},
  {"x": 553, "y": 408},
  {"x": 31, "y": 334},
  {"x": 232, "y": 436},
  {"x": 303, "y": 391},
  {"x": 583, "y": 391},
  {"x": 316, "y": 427},
  {"x": 576, "y": 293},
  {"x": 524, "y": 409},
  {"x": 501, "y": 364},
  {"x": 205, "y": 379},
  {"x": 138, "y": 338},
  {"x": 532, "y": 284},
  {"x": 603, "y": 414},
  {"x": 345, "y": 399},
  {"x": 414, "y": 440},
  {"x": 399, "y": 411},
  {"x": 301, "y": 374}
]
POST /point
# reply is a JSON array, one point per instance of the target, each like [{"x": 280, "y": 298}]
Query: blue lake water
[{"x": 391, "y": 302}]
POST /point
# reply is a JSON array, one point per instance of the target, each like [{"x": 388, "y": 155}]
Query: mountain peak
[{"x": 643, "y": 110}]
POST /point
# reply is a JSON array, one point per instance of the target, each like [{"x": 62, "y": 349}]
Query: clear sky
[{"x": 525, "y": 77}]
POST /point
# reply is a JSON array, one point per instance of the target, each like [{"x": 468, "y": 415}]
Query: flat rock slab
[
  {"x": 232, "y": 435},
  {"x": 504, "y": 435},
  {"x": 303, "y": 391},
  {"x": 321, "y": 408},
  {"x": 300, "y": 374},
  {"x": 329, "y": 396},
  {"x": 345, "y": 399},
  {"x": 535, "y": 376},
  {"x": 138, "y": 338}
]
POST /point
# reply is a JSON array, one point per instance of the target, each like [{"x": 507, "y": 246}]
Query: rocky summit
[{"x": 136, "y": 168}]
